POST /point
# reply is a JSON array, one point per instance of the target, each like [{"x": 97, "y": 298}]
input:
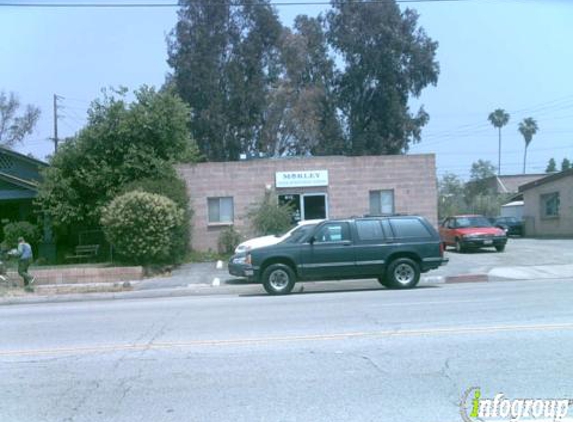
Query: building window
[
  {"x": 381, "y": 202},
  {"x": 550, "y": 205},
  {"x": 220, "y": 210}
]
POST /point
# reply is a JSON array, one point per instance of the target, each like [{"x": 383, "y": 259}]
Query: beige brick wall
[
  {"x": 535, "y": 225},
  {"x": 412, "y": 177}
]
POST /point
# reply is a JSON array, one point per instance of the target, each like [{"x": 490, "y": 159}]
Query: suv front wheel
[
  {"x": 278, "y": 279},
  {"x": 402, "y": 273}
]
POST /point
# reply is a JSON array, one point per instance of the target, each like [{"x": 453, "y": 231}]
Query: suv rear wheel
[
  {"x": 403, "y": 273},
  {"x": 278, "y": 279}
]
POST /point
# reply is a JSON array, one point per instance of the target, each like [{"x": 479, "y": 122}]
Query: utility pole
[{"x": 56, "y": 98}]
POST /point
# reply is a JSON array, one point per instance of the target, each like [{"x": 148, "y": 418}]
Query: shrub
[
  {"x": 175, "y": 189},
  {"x": 143, "y": 227},
  {"x": 269, "y": 217},
  {"x": 229, "y": 239},
  {"x": 12, "y": 231}
]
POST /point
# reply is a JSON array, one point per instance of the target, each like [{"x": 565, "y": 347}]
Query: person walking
[{"x": 25, "y": 257}]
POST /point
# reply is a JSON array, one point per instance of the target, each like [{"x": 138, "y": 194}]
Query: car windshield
[
  {"x": 298, "y": 233},
  {"x": 467, "y": 222}
]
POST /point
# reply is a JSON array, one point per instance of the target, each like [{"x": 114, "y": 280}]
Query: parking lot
[{"x": 523, "y": 258}]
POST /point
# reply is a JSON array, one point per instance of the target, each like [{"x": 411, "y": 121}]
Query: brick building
[{"x": 316, "y": 187}]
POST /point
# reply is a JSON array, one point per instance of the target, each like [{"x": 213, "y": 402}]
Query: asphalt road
[{"x": 376, "y": 355}]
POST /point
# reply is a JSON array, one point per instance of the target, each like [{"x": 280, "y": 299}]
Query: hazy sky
[{"x": 513, "y": 54}]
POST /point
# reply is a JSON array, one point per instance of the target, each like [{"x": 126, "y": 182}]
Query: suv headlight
[{"x": 242, "y": 259}]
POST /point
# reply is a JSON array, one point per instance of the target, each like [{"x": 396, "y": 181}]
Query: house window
[
  {"x": 220, "y": 209},
  {"x": 381, "y": 202},
  {"x": 550, "y": 205}
]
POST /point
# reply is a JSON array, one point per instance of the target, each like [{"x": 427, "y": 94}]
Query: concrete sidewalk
[
  {"x": 205, "y": 279},
  {"x": 552, "y": 259}
]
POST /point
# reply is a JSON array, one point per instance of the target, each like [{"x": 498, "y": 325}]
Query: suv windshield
[
  {"x": 466, "y": 222},
  {"x": 297, "y": 234}
]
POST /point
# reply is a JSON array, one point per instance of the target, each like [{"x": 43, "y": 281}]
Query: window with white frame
[
  {"x": 550, "y": 205},
  {"x": 220, "y": 209},
  {"x": 381, "y": 202}
]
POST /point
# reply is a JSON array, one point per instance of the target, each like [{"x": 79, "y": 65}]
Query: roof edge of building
[{"x": 550, "y": 178}]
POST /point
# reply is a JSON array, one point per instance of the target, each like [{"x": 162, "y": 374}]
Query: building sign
[{"x": 297, "y": 179}]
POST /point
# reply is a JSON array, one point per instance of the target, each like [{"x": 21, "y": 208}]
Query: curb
[
  {"x": 467, "y": 278},
  {"x": 211, "y": 289}
]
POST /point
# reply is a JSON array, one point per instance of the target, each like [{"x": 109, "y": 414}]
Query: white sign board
[{"x": 297, "y": 179}]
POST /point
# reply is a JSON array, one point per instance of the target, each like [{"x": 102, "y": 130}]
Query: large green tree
[
  {"x": 498, "y": 118},
  {"x": 14, "y": 127},
  {"x": 225, "y": 58},
  {"x": 301, "y": 113},
  {"x": 387, "y": 58},
  {"x": 528, "y": 127},
  {"x": 122, "y": 143}
]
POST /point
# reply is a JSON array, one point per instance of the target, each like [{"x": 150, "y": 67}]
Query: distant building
[
  {"x": 548, "y": 205},
  {"x": 509, "y": 184},
  {"x": 316, "y": 187},
  {"x": 19, "y": 178}
]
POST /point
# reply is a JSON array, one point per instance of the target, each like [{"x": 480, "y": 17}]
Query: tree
[
  {"x": 480, "y": 173},
  {"x": 528, "y": 128},
  {"x": 551, "y": 166},
  {"x": 499, "y": 118},
  {"x": 121, "y": 143},
  {"x": 301, "y": 114},
  {"x": 565, "y": 164},
  {"x": 386, "y": 59},
  {"x": 224, "y": 59},
  {"x": 13, "y": 127},
  {"x": 450, "y": 195}
]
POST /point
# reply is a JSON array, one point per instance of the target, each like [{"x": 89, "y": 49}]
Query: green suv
[{"x": 394, "y": 249}]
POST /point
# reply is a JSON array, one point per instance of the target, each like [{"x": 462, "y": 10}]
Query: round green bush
[{"x": 143, "y": 227}]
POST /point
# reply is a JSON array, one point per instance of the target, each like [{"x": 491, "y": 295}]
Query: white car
[{"x": 259, "y": 242}]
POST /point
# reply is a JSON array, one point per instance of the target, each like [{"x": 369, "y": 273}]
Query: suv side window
[
  {"x": 369, "y": 230},
  {"x": 333, "y": 232},
  {"x": 409, "y": 227}
]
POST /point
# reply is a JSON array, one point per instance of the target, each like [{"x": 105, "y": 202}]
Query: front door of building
[
  {"x": 314, "y": 206},
  {"x": 308, "y": 206}
]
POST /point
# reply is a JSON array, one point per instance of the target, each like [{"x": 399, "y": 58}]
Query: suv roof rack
[{"x": 394, "y": 214}]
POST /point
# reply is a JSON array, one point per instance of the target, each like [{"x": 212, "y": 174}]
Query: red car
[{"x": 471, "y": 232}]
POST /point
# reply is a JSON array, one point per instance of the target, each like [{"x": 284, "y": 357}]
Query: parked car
[
  {"x": 394, "y": 250},
  {"x": 471, "y": 232},
  {"x": 258, "y": 242},
  {"x": 512, "y": 225}
]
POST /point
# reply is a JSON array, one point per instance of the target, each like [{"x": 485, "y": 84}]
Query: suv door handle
[{"x": 346, "y": 243}]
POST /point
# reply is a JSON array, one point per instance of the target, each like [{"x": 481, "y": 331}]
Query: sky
[{"x": 510, "y": 54}]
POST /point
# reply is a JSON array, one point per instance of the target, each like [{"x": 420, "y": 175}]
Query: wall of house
[
  {"x": 535, "y": 223},
  {"x": 412, "y": 177}
]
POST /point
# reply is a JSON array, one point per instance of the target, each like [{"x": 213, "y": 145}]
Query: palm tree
[
  {"x": 499, "y": 118},
  {"x": 527, "y": 128}
]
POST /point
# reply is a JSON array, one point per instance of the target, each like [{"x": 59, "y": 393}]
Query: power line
[{"x": 230, "y": 3}]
